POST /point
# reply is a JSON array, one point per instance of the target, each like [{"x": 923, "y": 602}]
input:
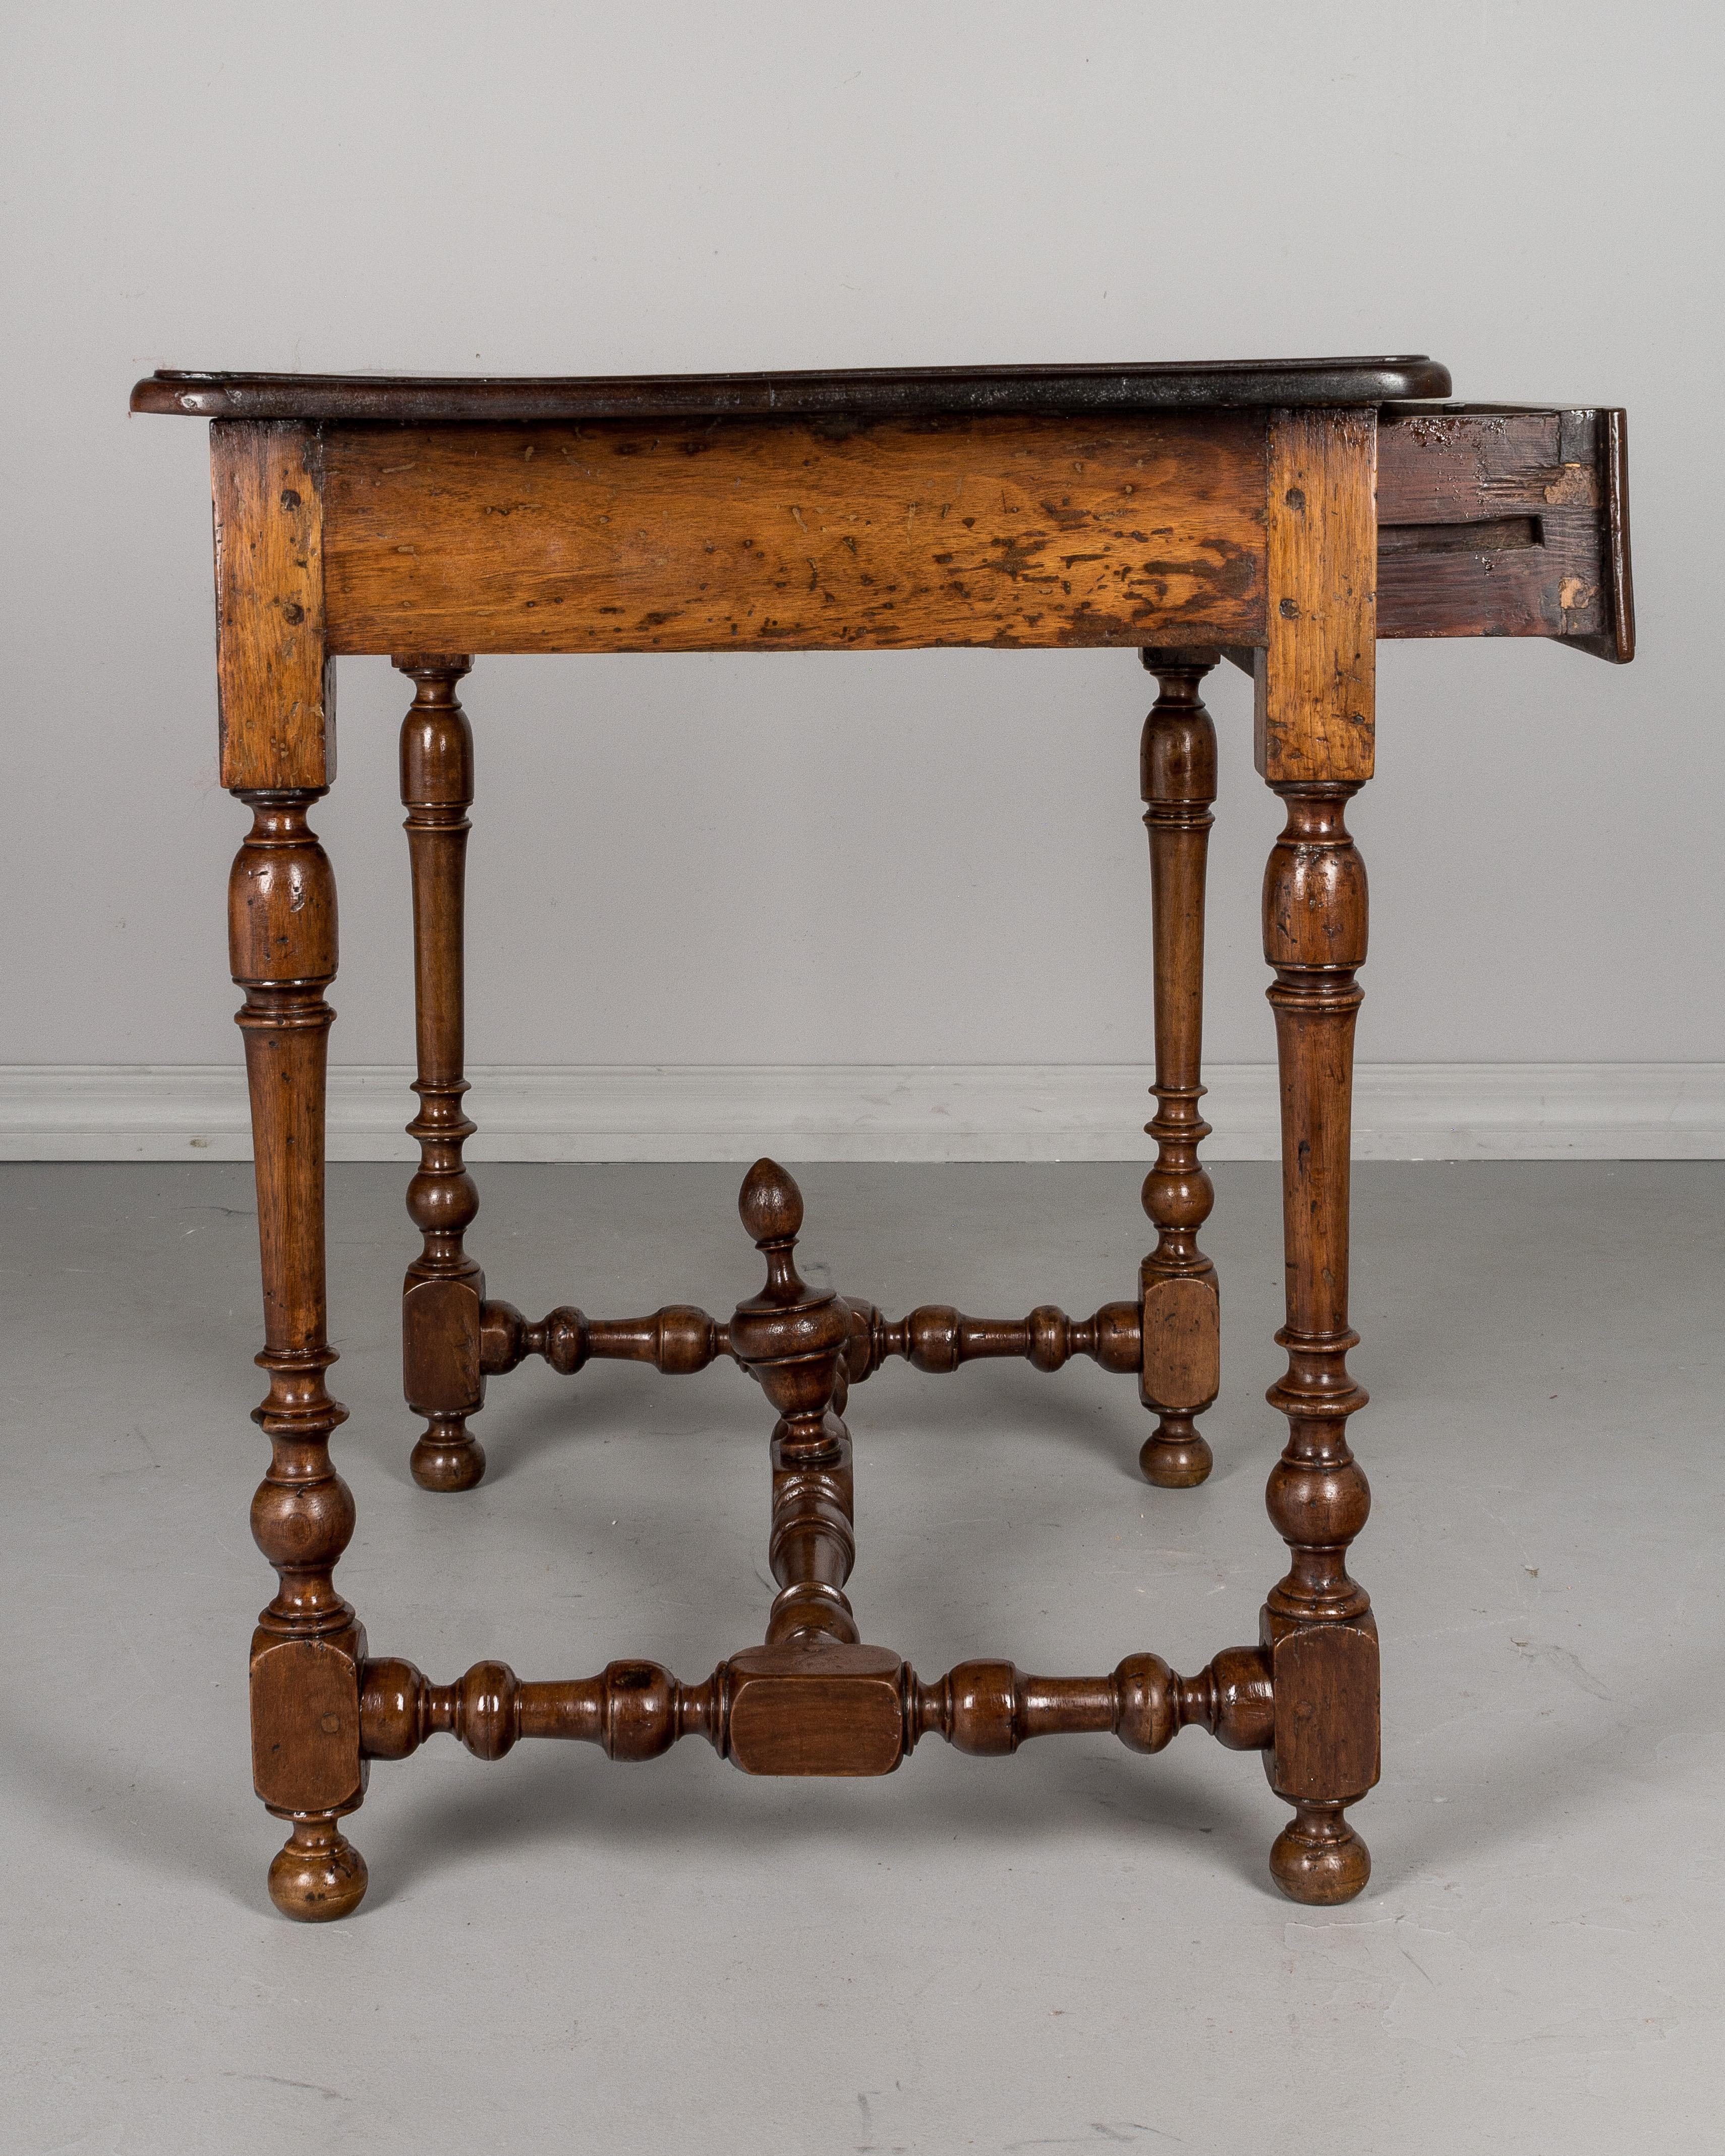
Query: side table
[{"x": 1283, "y": 514}]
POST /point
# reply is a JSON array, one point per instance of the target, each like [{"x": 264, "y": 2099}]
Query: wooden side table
[{"x": 1283, "y": 514}]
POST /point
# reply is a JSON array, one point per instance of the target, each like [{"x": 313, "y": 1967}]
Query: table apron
[
  {"x": 1145, "y": 528},
  {"x": 796, "y": 535}
]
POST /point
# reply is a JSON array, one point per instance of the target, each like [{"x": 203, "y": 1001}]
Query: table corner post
[
  {"x": 275, "y": 683},
  {"x": 1315, "y": 684}
]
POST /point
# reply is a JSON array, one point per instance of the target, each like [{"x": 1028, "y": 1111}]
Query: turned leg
[
  {"x": 1317, "y": 1621},
  {"x": 1181, "y": 1371},
  {"x": 308, "y": 1648},
  {"x": 1315, "y": 718},
  {"x": 444, "y": 1294}
]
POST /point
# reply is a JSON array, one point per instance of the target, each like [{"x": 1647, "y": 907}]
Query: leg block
[
  {"x": 1182, "y": 1374},
  {"x": 819, "y": 1708},
  {"x": 441, "y": 1321},
  {"x": 305, "y": 1740},
  {"x": 1325, "y": 1753}
]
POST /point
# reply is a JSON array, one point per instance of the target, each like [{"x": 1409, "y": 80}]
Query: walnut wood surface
[
  {"x": 1315, "y": 714},
  {"x": 778, "y": 534},
  {"x": 276, "y": 682},
  {"x": 1497, "y": 520},
  {"x": 787, "y": 535},
  {"x": 854, "y": 393}
]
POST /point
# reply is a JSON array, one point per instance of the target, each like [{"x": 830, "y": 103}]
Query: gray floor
[{"x": 1075, "y": 1948}]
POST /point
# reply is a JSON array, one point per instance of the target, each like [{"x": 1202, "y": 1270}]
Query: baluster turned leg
[
  {"x": 1315, "y": 722},
  {"x": 444, "y": 1294},
  {"x": 1317, "y": 1621},
  {"x": 308, "y": 1648},
  {"x": 1181, "y": 1371}
]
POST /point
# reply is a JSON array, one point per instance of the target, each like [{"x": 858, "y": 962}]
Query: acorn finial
[{"x": 770, "y": 1204}]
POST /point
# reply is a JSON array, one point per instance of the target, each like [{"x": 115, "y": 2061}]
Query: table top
[{"x": 859, "y": 394}]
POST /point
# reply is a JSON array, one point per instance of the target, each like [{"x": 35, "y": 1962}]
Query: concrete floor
[{"x": 1076, "y": 1947}]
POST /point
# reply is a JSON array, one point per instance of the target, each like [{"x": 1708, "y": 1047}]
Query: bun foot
[
  {"x": 1174, "y": 1456},
  {"x": 318, "y": 1875},
  {"x": 1318, "y": 1858},
  {"x": 447, "y": 1458}
]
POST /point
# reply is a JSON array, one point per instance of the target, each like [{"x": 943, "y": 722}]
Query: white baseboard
[{"x": 888, "y": 1111}]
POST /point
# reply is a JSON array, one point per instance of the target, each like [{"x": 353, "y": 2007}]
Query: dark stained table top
[{"x": 859, "y": 393}]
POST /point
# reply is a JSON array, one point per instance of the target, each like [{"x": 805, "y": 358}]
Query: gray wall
[{"x": 1530, "y": 192}]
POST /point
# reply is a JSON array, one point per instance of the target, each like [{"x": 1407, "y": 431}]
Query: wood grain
[
  {"x": 1315, "y": 706},
  {"x": 824, "y": 1709},
  {"x": 764, "y": 535},
  {"x": 1325, "y": 1689},
  {"x": 1499, "y": 521},
  {"x": 275, "y": 684}
]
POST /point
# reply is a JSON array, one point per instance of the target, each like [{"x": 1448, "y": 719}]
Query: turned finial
[
  {"x": 770, "y": 1204},
  {"x": 770, "y": 1208},
  {"x": 792, "y": 1338},
  {"x": 790, "y": 1335}
]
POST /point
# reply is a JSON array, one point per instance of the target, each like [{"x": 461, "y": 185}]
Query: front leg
[
  {"x": 276, "y": 688},
  {"x": 1314, "y": 742},
  {"x": 1317, "y": 1622},
  {"x": 308, "y": 1648}
]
